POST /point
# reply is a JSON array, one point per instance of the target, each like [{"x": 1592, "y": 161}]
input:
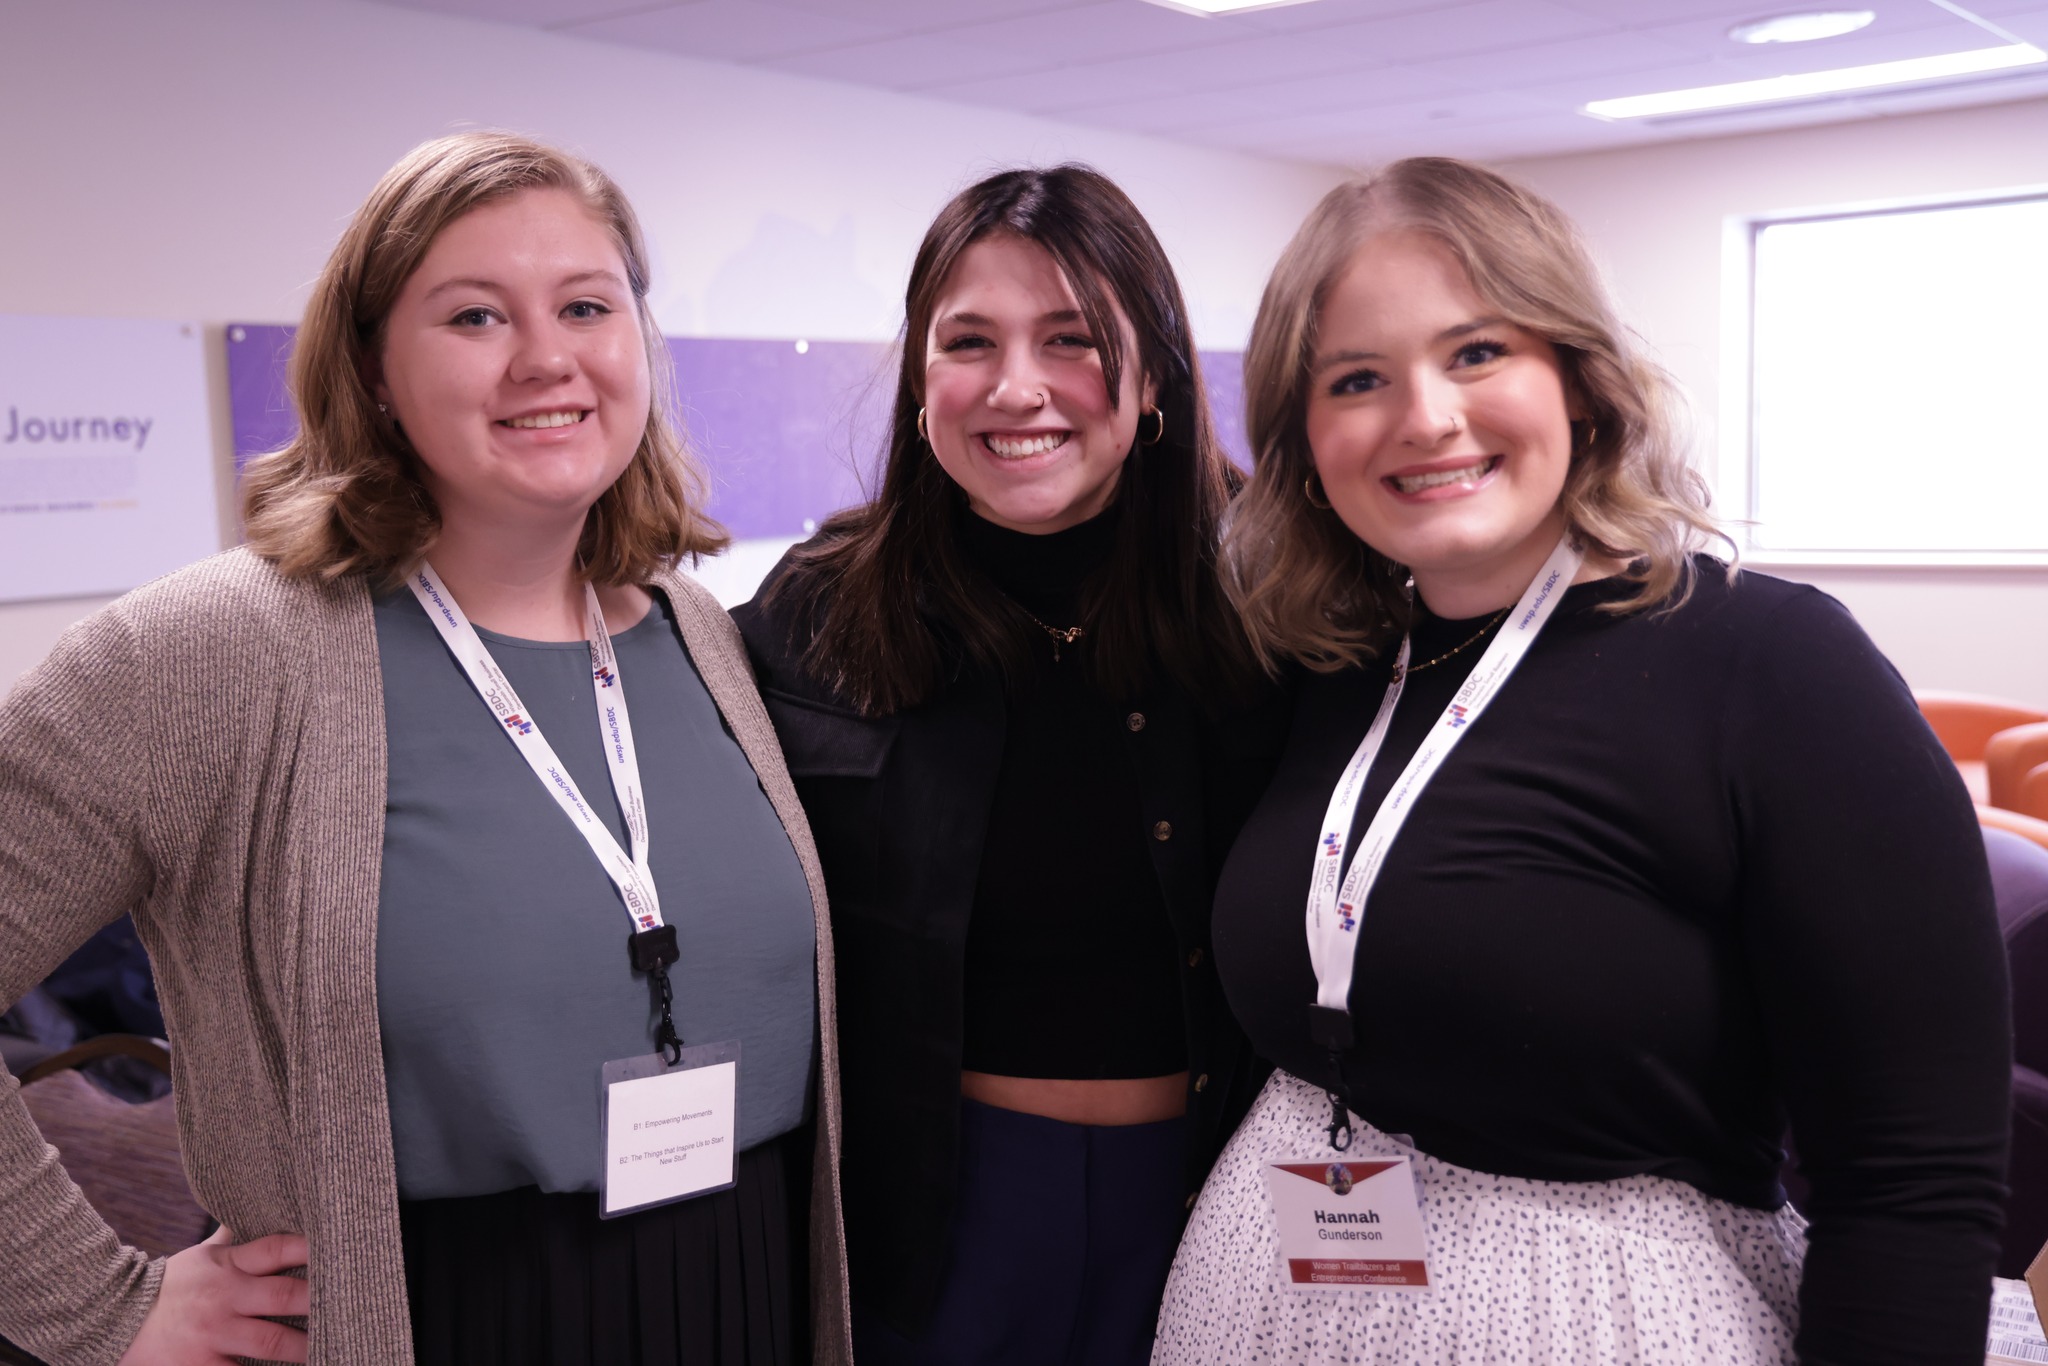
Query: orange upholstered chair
[
  {"x": 1997, "y": 818},
  {"x": 2032, "y": 798},
  {"x": 2010, "y": 758},
  {"x": 1965, "y": 723}
]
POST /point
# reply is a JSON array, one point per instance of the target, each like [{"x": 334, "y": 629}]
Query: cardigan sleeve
[
  {"x": 1880, "y": 972},
  {"x": 73, "y": 857}
]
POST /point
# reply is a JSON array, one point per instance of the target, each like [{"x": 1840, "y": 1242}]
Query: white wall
[
  {"x": 195, "y": 159},
  {"x": 1657, "y": 216}
]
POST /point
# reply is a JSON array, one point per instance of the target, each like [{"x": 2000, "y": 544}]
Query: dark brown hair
[
  {"x": 344, "y": 496},
  {"x": 894, "y": 602},
  {"x": 1309, "y": 589}
]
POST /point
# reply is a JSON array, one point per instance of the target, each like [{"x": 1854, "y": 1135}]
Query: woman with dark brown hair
[
  {"x": 504, "y": 1017},
  {"x": 1000, "y": 686},
  {"x": 1591, "y": 867}
]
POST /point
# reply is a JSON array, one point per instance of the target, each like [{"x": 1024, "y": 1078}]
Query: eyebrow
[
  {"x": 473, "y": 283},
  {"x": 1464, "y": 329},
  {"x": 1062, "y": 315}
]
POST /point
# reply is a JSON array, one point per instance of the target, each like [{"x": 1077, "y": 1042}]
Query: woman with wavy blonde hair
[
  {"x": 1591, "y": 868},
  {"x": 425, "y": 906}
]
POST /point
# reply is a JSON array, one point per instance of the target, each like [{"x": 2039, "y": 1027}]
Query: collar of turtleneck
[{"x": 1044, "y": 573}]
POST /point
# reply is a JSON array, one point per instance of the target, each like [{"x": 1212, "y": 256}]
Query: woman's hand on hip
[{"x": 216, "y": 1302}]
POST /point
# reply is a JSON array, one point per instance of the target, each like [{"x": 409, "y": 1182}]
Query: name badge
[
  {"x": 669, "y": 1131},
  {"x": 1349, "y": 1224}
]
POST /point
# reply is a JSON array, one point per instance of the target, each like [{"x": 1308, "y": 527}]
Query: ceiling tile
[
  {"x": 1173, "y": 115},
  {"x": 920, "y": 16},
  {"x": 536, "y": 13},
  {"x": 907, "y": 63},
  {"x": 728, "y": 30},
  {"x": 1326, "y": 13},
  {"x": 1205, "y": 70},
  {"x": 1445, "y": 30},
  {"x": 1057, "y": 92},
  {"x": 1645, "y": 13},
  {"x": 1599, "y": 55},
  {"x": 1361, "y": 87},
  {"x": 1091, "y": 32},
  {"x": 1435, "y": 124}
]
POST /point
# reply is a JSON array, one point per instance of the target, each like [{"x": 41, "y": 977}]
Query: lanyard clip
[
  {"x": 653, "y": 950},
  {"x": 1330, "y": 1027}
]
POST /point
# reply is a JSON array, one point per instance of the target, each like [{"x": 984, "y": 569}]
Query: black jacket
[{"x": 899, "y": 806}]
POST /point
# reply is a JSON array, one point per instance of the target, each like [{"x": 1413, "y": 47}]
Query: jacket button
[
  {"x": 1194, "y": 958},
  {"x": 1135, "y": 721},
  {"x": 1163, "y": 830},
  {"x": 1202, "y": 1082}
]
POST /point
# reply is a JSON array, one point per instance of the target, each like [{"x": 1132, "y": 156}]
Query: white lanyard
[
  {"x": 628, "y": 870},
  {"x": 1334, "y": 911}
]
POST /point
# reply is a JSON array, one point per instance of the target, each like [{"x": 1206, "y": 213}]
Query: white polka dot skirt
[{"x": 1641, "y": 1270}]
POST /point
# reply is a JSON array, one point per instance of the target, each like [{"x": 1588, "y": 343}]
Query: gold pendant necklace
[
  {"x": 1061, "y": 635},
  {"x": 1448, "y": 654}
]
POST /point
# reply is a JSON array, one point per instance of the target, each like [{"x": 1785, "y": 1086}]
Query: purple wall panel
[
  {"x": 263, "y": 413},
  {"x": 787, "y": 436},
  {"x": 1223, "y": 376}
]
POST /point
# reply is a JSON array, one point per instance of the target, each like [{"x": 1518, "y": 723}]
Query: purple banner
[{"x": 786, "y": 430}]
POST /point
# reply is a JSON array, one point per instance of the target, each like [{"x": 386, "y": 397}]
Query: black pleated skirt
[{"x": 524, "y": 1278}]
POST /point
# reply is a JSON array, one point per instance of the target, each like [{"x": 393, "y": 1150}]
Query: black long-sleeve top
[
  {"x": 902, "y": 807},
  {"x": 1072, "y": 967},
  {"x": 1692, "y": 875}
]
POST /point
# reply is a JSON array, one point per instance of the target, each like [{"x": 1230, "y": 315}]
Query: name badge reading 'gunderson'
[{"x": 1349, "y": 1224}]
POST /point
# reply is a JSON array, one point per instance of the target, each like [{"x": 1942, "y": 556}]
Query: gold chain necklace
[
  {"x": 1449, "y": 654},
  {"x": 1061, "y": 635}
]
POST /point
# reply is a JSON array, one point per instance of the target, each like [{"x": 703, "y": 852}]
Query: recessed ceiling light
[
  {"x": 1223, "y": 6},
  {"x": 1804, "y": 27},
  {"x": 1773, "y": 89}
]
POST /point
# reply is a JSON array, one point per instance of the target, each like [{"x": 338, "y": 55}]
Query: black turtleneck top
[{"x": 1072, "y": 968}]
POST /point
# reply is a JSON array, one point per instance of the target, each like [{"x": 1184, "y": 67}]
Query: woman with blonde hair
[
  {"x": 505, "y": 1018},
  {"x": 1590, "y": 868}
]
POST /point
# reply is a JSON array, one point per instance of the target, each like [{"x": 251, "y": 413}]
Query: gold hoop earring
[
  {"x": 1308, "y": 491},
  {"x": 1592, "y": 434},
  {"x": 1158, "y": 415},
  {"x": 923, "y": 435}
]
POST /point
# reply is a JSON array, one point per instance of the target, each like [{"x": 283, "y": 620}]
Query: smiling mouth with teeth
[
  {"x": 1017, "y": 447},
  {"x": 563, "y": 419},
  {"x": 1464, "y": 474}
]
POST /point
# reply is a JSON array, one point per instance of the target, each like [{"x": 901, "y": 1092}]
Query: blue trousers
[{"x": 1062, "y": 1237}]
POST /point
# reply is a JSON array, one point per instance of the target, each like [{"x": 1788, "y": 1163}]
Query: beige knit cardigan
[{"x": 208, "y": 754}]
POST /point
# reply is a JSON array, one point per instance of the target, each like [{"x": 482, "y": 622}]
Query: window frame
[{"x": 1740, "y": 453}]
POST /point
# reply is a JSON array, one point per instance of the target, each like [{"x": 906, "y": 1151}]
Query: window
[{"x": 1899, "y": 384}]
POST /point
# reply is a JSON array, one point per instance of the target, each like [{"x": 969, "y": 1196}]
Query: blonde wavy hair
[
  {"x": 344, "y": 496},
  {"x": 1308, "y": 589}
]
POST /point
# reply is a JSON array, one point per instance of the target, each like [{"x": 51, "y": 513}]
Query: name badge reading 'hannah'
[{"x": 1349, "y": 1225}]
